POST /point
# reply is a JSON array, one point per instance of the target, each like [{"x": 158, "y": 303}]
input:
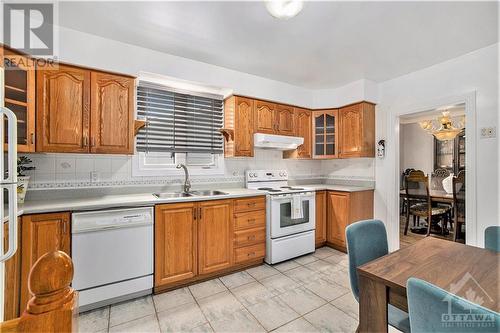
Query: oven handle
[{"x": 304, "y": 195}]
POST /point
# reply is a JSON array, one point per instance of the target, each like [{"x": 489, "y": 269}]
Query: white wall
[
  {"x": 476, "y": 71},
  {"x": 360, "y": 90},
  {"x": 416, "y": 149}
]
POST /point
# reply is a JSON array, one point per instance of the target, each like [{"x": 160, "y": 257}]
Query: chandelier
[
  {"x": 284, "y": 9},
  {"x": 445, "y": 128}
]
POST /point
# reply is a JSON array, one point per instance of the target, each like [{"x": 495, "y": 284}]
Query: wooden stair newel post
[{"x": 54, "y": 305}]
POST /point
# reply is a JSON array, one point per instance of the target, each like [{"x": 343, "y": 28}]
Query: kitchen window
[{"x": 181, "y": 127}]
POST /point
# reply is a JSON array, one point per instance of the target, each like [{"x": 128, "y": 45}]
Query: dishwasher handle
[{"x": 109, "y": 227}]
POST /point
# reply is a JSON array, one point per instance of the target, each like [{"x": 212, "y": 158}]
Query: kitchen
[{"x": 223, "y": 203}]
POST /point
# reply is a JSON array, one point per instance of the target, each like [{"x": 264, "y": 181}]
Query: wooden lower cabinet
[
  {"x": 320, "y": 218},
  {"x": 199, "y": 240},
  {"x": 176, "y": 242},
  {"x": 41, "y": 233},
  {"x": 215, "y": 236},
  {"x": 344, "y": 208}
]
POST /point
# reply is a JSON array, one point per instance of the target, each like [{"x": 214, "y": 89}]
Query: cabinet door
[
  {"x": 175, "y": 243},
  {"x": 320, "y": 217},
  {"x": 20, "y": 98},
  {"x": 41, "y": 233},
  {"x": 338, "y": 217},
  {"x": 112, "y": 114},
  {"x": 325, "y": 137},
  {"x": 285, "y": 120},
  {"x": 243, "y": 128},
  {"x": 264, "y": 117},
  {"x": 304, "y": 124},
  {"x": 215, "y": 232},
  {"x": 63, "y": 110},
  {"x": 351, "y": 123}
]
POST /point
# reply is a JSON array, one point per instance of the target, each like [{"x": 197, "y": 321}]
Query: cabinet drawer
[
  {"x": 249, "y": 237},
  {"x": 250, "y": 220},
  {"x": 248, "y": 204},
  {"x": 249, "y": 252}
]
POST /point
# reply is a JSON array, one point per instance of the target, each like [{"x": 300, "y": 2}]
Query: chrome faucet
[{"x": 187, "y": 182}]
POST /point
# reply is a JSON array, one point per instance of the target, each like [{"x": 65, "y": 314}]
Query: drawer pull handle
[
  {"x": 250, "y": 238},
  {"x": 251, "y": 221},
  {"x": 251, "y": 204},
  {"x": 251, "y": 254}
]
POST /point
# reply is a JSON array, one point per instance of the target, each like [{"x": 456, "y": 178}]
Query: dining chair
[
  {"x": 432, "y": 309},
  {"x": 458, "y": 203},
  {"x": 437, "y": 178},
  {"x": 419, "y": 201},
  {"x": 366, "y": 241},
  {"x": 403, "y": 205},
  {"x": 492, "y": 238}
]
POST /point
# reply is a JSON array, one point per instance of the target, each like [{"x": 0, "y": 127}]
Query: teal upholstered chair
[
  {"x": 433, "y": 309},
  {"x": 366, "y": 241},
  {"x": 492, "y": 238}
]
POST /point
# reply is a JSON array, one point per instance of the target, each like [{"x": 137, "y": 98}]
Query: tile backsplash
[{"x": 77, "y": 170}]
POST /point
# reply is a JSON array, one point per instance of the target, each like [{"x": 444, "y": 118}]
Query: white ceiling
[{"x": 327, "y": 45}]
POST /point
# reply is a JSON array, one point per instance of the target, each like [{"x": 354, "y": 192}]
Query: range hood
[{"x": 277, "y": 142}]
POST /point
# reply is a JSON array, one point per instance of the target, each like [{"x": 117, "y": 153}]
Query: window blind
[{"x": 178, "y": 121}]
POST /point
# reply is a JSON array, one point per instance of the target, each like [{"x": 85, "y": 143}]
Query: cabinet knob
[
  {"x": 251, "y": 204},
  {"x": 251, "y": 254}
]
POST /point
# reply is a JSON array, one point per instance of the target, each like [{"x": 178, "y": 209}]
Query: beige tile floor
[{"x": 308, "y": 294}]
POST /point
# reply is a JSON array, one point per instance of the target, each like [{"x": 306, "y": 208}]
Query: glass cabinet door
[
  {"x": 319, "y": 134},
  {"x": 444, "y": 155},
  {"x": 20, "y": 98},
  {"x": 325, "y": 138}
]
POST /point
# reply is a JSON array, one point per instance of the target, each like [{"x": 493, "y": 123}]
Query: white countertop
[
  {"x": 146, "y": 199},
  {"x": 125, "y": 200},
  {"x": 334, "y": 187}
]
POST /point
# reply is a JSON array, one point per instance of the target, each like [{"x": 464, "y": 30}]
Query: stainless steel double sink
[{"x": 205, "y": 193}]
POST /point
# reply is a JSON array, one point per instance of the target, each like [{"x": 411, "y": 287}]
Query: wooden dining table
[{"x": 454, "y": 267}]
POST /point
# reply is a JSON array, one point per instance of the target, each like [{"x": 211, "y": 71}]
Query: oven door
[{"x": 282, "y": 223}]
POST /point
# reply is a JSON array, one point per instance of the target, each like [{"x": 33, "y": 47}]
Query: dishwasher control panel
[{"x": 111, "y": 219}]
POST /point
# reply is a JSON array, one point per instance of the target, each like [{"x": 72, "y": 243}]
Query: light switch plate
[{"x": 488, "y": 132}]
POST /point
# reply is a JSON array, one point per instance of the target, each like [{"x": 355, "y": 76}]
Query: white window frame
[{"x": 141, "y": 167}]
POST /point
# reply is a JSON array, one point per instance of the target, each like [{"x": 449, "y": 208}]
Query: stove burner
[
  {"x": 269, "y": 189},
  {"x": 293, "y": 188},
  {"x": 273, "y": 190}
]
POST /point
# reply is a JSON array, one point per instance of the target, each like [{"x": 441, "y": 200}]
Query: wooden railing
[{"x": 54, "y": 306}]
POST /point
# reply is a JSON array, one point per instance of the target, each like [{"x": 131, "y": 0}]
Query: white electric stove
[{"x": 290, "y": 214}]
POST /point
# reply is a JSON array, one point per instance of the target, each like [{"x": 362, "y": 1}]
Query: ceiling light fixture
[
  {"x": 284, "y": 9},
  {"x": 445, "y": 130}
]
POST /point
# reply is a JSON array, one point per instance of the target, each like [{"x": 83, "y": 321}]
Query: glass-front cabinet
[
  {"x": 325, "y": 133},
  {"x": 19, "y": 96},
  {"x": 450, "y": 154}
]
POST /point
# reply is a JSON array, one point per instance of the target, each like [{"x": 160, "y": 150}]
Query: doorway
[{"x": 432, "y": 168}]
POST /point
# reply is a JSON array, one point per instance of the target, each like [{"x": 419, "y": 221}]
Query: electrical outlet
[
  {"x": 94, "y": 176},
  {"x": 488, "y": 132}
]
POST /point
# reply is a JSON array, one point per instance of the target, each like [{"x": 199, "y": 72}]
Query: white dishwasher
[{"x": 112, "y": 252}]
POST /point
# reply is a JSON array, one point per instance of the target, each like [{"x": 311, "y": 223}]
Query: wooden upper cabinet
[
  {"x": 284, "y": 120},
  {"x": 41, "y": 233},
  {"x": 20, "y": 98},
  {"x": 303, "y": 129},
  {"x": 325, "y": 134},
  {"x": 215, "y": 232},
  {"x": 357, "y": 130},
  {"x": 320, "y": 218},
  {"x": 238, "y": 127},
  {"x": 112, "y": 114},
  {"x": 63, "y": 110},
  {"x": 176, "y": 255},
  {"x": 265, "y": 120}
]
